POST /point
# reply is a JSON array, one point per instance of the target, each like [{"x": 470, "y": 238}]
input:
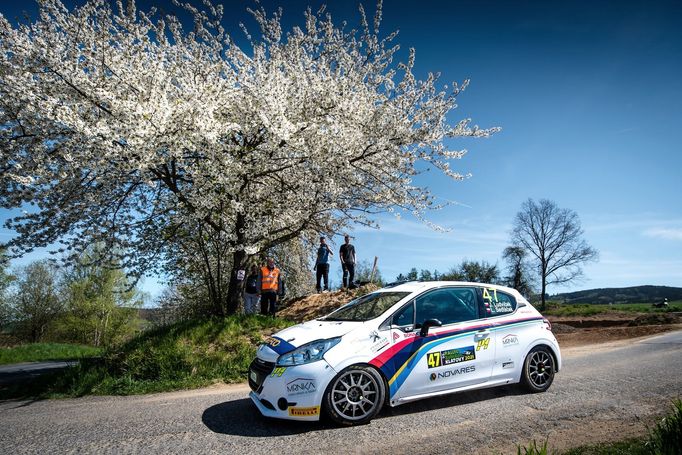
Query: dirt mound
[
  {"x": 563, "y": 328},
  {"x": 655, "y": 319},
  {"x": 316, "y": 305}
]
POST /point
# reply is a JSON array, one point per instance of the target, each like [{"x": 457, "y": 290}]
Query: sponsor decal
[
  {"x": 272, "y": 342},
  {"x": 278, "y": 345},
  {"x": 278, "y": 372},
  {"x": 443, "y": 358},
  {"x": 510, "y": 340},
  {"x": 451, "y": 373},
  {"x": 507, "y": 365},
  {"x": 483, "y": 344},
  {"x": 379, "y": 345},
  {"x": 304, "y": 412},
  {"x": 395, "y": 336},
  {"x": 301, "y": 386}
]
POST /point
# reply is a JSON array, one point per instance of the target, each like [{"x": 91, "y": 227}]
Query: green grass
[
  {"x": 37, "y": 352},
  {"x": 585, "y": 309},
  {"x": 181, "y": 356},
  {"x": 627, "y": 447},
  {"x": 664, "y": 439}
]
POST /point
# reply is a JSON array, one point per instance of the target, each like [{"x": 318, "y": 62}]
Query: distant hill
[{"x": 635, "y": 294}]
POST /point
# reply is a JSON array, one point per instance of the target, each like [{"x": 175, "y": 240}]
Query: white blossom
[{"x": 124, "y": 127}]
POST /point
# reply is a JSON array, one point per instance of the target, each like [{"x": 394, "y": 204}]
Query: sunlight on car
[{"x": 401, "y": 344}]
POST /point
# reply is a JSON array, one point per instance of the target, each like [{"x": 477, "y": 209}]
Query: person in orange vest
[{"x": 269, "y": 286}]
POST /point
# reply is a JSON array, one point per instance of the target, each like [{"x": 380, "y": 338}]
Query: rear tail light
[{"x": 548, "y": 325}]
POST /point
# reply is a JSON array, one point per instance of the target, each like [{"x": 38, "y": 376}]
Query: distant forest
[{"x": 635, "y": 294}]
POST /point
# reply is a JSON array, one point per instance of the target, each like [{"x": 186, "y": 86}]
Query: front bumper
[{"x": 293, "y": 393}]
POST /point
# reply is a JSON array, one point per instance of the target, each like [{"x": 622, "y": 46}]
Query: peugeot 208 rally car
[{"x": 403, "y": 343}]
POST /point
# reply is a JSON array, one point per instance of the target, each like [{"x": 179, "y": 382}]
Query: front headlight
[{"x": 307, "y": 353}]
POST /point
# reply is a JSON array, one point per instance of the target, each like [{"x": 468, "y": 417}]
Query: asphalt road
[
  {"x": 28, "y": 370},
  {"x": 607, "y": 392}
]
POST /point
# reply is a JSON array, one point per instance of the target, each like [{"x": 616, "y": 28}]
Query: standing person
[
  {"x": 322, "y": 264},
  {"x": 347, "y": 256},
  {"x": 269, "y": 286},
  {"x": 251, "y": 297}
]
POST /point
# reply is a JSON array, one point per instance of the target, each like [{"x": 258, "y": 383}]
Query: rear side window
[{"x": 498, "y": 303}]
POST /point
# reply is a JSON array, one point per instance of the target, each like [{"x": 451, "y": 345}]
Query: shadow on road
[
  {"x": 241, "y": 418},
  {"x": 452, "y": 400}
]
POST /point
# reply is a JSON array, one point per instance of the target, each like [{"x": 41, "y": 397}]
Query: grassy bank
[
  {"x": 181, "y": 356},
  {"x": 38, "y": 352},
  {"x": 664, "y": 439},
  {"x": 584, "y": 309}
]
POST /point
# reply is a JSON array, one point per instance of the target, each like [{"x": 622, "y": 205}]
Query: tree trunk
[
  {"x": 542, "y": 297},
  {"x": 234, "y": 288}
]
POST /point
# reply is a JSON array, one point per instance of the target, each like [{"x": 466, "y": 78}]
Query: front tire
[
  {"x": 355, "y": 395},
  {"x": 538, "y": 370}
]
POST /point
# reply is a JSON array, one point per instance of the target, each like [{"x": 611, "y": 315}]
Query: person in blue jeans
[{"x": 322, "y": 264}]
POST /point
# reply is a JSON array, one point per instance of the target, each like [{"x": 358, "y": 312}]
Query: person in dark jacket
[
  {"x": 347, "y": 256},
  {"x": 322, "y": 264},
  {"x": 251, "y": 297}
]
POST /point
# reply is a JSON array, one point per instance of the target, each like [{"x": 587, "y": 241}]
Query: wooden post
[{"x": 374, "y": 268}]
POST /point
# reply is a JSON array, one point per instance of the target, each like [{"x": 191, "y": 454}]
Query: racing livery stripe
[
  {"x": 282, "y": 347},
  {"x": 397, "y": 362}
]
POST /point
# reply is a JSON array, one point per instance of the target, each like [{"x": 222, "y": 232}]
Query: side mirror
[{"x": 424, "y": 332}]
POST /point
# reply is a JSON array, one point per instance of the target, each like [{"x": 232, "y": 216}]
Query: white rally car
[{"x": 400, "y": 344}]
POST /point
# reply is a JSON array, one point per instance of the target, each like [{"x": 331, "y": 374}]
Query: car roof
[{"x": 415, "y": 286}]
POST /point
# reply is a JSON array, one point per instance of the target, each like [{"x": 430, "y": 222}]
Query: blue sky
[{"x": 589, "y": 98}]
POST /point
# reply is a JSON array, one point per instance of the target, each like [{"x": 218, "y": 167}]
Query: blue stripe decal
[
  {"x": 282, "y": 347},
  {"x": 398, "y": 369}
]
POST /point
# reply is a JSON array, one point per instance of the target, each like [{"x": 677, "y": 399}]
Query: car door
[
  {"x": 458, "y": 353},
  {"x": 512, "y": 333}
]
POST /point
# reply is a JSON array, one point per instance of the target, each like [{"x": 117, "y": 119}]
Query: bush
[
  {"x": 666, "y": 438},
  {"x": 184, "y": 355}
]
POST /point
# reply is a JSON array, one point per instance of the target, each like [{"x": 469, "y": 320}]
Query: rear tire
[
  {"x": 355, "y": 395},
  {"x": 538, "y": 370}
]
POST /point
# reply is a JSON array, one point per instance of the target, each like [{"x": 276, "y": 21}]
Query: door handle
[{"x": 482, "y": 334}]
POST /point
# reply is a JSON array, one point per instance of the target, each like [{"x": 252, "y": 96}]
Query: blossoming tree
[{"x": 122, "y": 126}]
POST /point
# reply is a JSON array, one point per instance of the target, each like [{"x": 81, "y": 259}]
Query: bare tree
[
  {"x": 517, "y": 267},
  {"x": 553, "y": 237}
]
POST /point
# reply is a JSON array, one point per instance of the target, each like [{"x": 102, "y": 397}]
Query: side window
[
  {"x": 498, "y": 303},
  {"x": 448, "y": 305},
  {"x": 405, "y": 316}
]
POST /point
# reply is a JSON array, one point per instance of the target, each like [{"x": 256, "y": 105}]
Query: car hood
[{"x": 293, "y": 337}]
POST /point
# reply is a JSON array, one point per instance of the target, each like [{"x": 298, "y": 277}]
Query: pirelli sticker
[
  {"x": 304, "y": 412},
  {"x": 451, "y": 356}
]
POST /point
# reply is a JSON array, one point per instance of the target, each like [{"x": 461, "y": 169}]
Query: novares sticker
[
  {"x": 450, "y": 373},
  {"x": 449, "y": 357},
  {"x": 304, "y": 412}
]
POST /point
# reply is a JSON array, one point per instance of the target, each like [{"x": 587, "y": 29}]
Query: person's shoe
[{"x": 325, "y": 291}]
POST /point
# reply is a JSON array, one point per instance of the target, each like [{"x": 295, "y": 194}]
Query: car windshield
[{"x": 366, "y": 307}]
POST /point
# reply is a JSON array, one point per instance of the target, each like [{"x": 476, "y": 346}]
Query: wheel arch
[
  {"x": 324, "y": 404},
  {"x": 552, "y": 350}
]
